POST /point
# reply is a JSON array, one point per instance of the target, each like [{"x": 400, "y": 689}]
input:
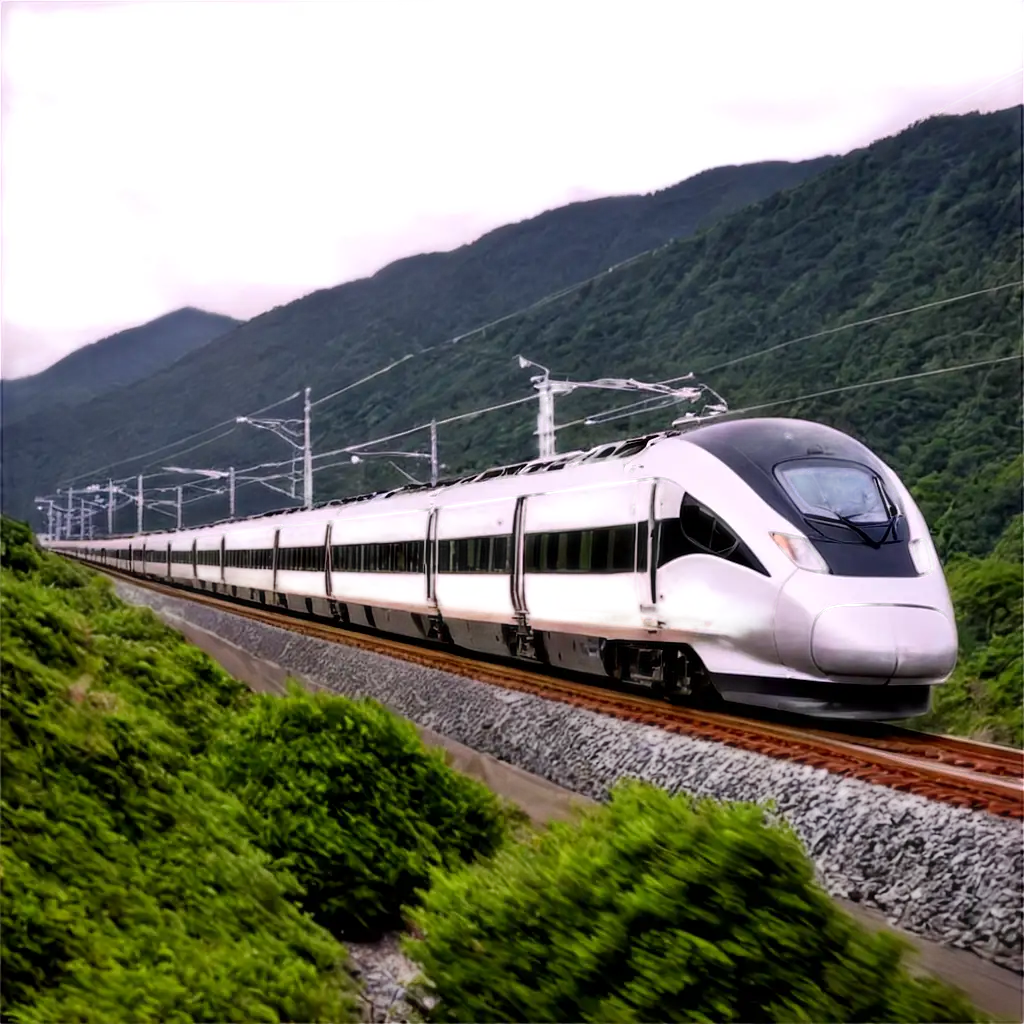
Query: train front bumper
[{"x": 866, "y": 630}]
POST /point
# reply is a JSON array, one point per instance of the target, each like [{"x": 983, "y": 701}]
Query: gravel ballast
[{"x": 950, "y": 875}]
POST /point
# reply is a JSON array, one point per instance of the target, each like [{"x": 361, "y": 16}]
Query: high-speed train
[{"x": 768, "y": 562}]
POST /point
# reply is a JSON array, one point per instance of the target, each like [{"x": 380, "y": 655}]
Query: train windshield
[{"x": 837, "y": 490}]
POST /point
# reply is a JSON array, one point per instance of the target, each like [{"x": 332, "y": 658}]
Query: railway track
[{"x": 966, "y": 773}]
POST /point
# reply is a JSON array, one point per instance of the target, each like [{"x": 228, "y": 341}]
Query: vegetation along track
[{"x": 963, "y": 772}]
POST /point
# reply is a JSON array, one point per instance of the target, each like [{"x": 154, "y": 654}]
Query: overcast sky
[{"x": 234, "y": 156}]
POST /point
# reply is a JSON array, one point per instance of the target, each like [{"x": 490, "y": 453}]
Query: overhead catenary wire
[
  {"x": 832, "y": 391},
  {"x": 354, "y": 448},
  {"x": 861, "y": 323},
  {"x": 642, "y": 404},
  {"x": 174, "y": 444},
  {"x": 363, "y": 380}
]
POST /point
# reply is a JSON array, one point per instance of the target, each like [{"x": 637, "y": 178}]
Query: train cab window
[{"x": 835, "y": 490}]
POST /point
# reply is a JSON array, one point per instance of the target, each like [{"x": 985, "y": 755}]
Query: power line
[
  {"x": 363, "y": 380},
  {"x": 426, "y": 426},
  {"x": 860, "y": 323},
  {"x": 836, "y": 391},
  {"x": 642, "y": 405},
  {"x": 173, "y": 444}
]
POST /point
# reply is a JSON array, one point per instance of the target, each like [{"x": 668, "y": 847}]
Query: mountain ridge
[{"x": 112, "y": 362}]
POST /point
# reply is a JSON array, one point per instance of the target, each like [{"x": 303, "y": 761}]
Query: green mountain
[
  {"x": 334, "y": 336},
  {"x": 111, "y": 363}
]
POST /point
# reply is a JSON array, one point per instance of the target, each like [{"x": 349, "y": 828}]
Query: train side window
[
  {"x": 705, "y": 530},
  {"x": 550, "y": 557},
  {"x": 414, "y": 556},
  {"x": 599, "y": 551},
  {"x": 533, "y": 552},
  {"x": 499, "y": 554},
  {"x": 570, "y": 549},
  {"x": 623, "y": 544},
  {"x": 444, "y": 556},
  {"x": 699, "y": 531}
]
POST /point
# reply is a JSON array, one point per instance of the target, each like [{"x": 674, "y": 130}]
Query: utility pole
[
  {"x": 231, "y": 492},
  {"x": 139, "y": 503},
  {"x": 49, "y": 519},
  {"x": 70, "y": 515},
  {"x": 547, "y": 389},
  {"x": 179, "y": 508},
  {"x": 433, "y": 453},
  {"x": 81, "y": 523},
  {"x": 59, "y": 524},
  {"x": 545, "y": 419},
  {"x": 110, "y": 508},
  {"x": 307, "y": 458}
]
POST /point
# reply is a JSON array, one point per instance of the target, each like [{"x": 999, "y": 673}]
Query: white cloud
[{"x": 235, "y": 155}]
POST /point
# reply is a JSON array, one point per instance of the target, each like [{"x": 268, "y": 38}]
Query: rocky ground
[
  {"x": 954, "y": 876},
  {"x": 386, "y": 974}
]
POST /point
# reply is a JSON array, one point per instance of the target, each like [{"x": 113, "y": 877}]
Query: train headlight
[
  {"x": 801, "y": 552},
  {"x": 921, "y": 555}
]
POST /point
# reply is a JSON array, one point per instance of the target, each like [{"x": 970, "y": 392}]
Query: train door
[
  {"x": 646, "y": 555},
  {"x": 430, "y": 560},
  {"x": 657, "y": 502},
  {"x": 517, "y": 582},
  {"x": 275, "y": 556}
]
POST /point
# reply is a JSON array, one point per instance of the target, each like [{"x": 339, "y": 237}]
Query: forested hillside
[
  {"x": 114, "y": 362},
  {"x": 334, "y": 336}
]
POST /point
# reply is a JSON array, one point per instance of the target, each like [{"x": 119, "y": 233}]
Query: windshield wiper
[{"x": 850, "y": 524}]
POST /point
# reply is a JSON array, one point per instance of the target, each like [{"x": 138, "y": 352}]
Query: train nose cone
[{"x": 896, "y": 641}]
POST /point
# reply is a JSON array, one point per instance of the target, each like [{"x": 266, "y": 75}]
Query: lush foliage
[
  {"x": 984, "y": 696},
  {"x": 131, "y": 889},
  {"x": 162, "y": 827},
  {"x": 657, "y": 908},
  {"x": 343, "y": 794}
]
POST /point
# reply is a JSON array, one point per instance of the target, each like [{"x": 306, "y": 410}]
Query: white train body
[{"x": 777, "y": 562}]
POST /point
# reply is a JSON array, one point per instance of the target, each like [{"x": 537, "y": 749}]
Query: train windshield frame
[{"x": 837, "y": 490}]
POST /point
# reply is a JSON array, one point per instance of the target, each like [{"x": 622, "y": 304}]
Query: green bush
[
  {"x": 130, "y": 887},
  {"x": 344, "y": 795},
  {"x": 983, "y": 696},
  {"x": 659, "y": 908}
]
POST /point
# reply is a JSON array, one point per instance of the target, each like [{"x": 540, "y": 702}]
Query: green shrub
[
  {"x": 658, "y": 908},
  {"x": 983, "y": 696},
  {"x": 130, "y": 887},
  {"x": 344, "y": 795}
]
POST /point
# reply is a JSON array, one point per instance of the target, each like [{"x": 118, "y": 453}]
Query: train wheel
[{"x": 687, "y": 680}]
